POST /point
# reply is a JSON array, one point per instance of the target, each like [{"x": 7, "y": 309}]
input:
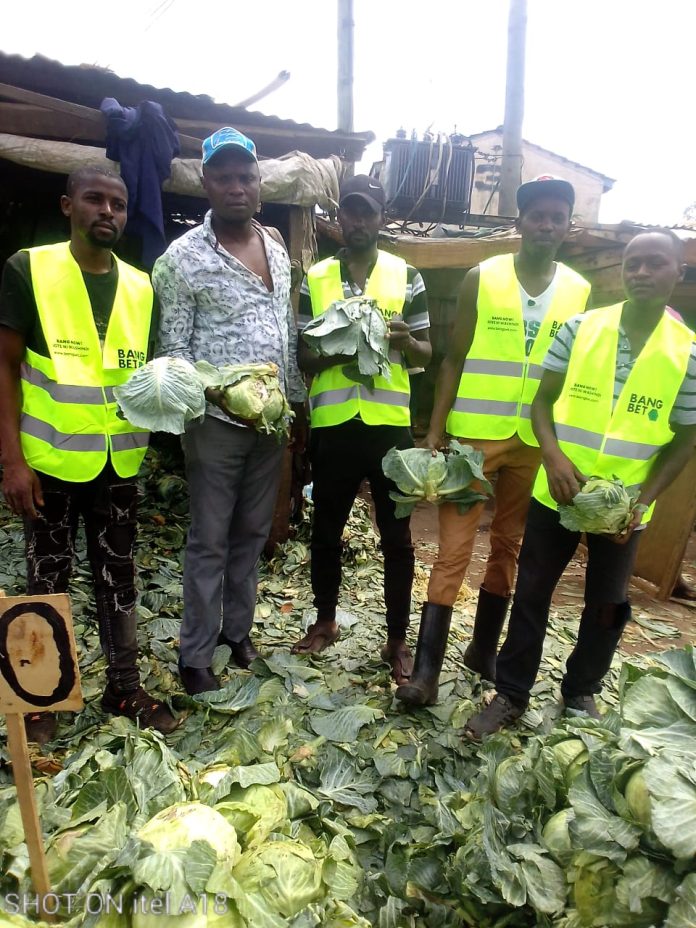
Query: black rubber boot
[
  {"x": 481, "y": 653},
  {"x": 421, "y": 689}
]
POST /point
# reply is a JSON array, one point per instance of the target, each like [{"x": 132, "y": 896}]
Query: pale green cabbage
[
  {"x": 436, "y": 478},
  {"x": 638, "y": 799},
  {"x": 285, "y": 873},
  {"x": 251, "y": 391},
  {"x": 353, "y": 327},
  {"x": 602, "y": 506},
  {"x": 163, "y": 395},
  {"x": 185, "y": 822},
  {"x": 556, "y": 837}
]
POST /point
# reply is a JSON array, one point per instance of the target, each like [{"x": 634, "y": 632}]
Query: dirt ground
[{"x": 570, "y": 590}]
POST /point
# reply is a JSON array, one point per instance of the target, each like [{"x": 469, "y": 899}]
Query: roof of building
[
  {"x": 607, "y": 182},
  {"x": 87, "y": 85}
]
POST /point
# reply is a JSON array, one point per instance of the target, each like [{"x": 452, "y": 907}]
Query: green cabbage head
[
  {"x": 284, "y": 872},
  {"x": 602, "y": 506},
  {"x": 420, "y": 476}
]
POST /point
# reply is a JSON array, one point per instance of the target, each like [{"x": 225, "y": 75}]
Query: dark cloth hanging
[{"x": 143, "y": 139}]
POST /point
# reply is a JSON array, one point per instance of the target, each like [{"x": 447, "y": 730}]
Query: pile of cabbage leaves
[{"x": 301, "y": 794}]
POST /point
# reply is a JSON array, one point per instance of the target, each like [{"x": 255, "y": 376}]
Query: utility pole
[
  {"x": 511, "y": 166},
  {"x": 345, "y": 65}
]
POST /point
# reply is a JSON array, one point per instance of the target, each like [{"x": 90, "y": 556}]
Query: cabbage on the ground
[
  {"x": 603, "y": 506},
  {"x": 252, "y": 392},
  {"x": 356, "y": 328},
  {"x": 409, "y": 824},
  {"x": 455, "y": 476},
  {"x": 163, "y": 395}
]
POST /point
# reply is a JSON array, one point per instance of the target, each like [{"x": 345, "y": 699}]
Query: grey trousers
[{"x": 233, "y": 475}]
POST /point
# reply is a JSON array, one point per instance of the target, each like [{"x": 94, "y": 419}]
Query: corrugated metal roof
[{"x": 88, "y": 85}]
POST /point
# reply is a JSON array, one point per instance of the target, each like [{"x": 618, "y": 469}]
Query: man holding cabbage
[
  {"x": 615, "y": 415},
  {"x": 508, "y": 311},
  {"x": 358, "y": 412},
  {"x": 74, "y": 325},
  {"x": 224, "y": 292}
]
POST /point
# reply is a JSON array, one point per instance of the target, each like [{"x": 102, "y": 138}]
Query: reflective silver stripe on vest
[
  {"x": 496, "y": 368},
  {"x": 617, "y": 447},
  {"x": 385, "y": 397},
  {"x": 525, "y": 411},
  {"x": 485, "y": 407},
  {"x": 534, "y": 371},
  {"x": 62, "y": 441},
  {"x": 579, "y": 436},
  {"x": 130, "y": 441},
  {"x": 632, "y": 450},
  {"x": 66, "y": 393},
  {"x": 333, "y": 397}
]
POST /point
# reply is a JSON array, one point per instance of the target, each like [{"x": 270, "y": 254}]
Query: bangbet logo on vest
[{"x": 643, "y": 405}]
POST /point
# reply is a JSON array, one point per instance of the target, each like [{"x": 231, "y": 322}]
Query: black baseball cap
[
  {"x": 545, "y": 185},
  {"x": 367, "y": 188}
]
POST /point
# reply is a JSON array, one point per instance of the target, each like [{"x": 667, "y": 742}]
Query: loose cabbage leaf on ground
[
  {"x": 353, "y": 327},
  {"x": 602, "y": 506},
  {"x": 250, "y": 391},
  {"x": 162, "y": 395},
  {"x": 436, "y": 478}
]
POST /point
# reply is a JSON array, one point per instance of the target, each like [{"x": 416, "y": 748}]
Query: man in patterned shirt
[
  {"x": 353, "y": 426},
  {"x": 224, "y": 292}
]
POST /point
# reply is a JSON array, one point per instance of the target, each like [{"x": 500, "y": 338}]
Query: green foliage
[
  {"x": 380, "y": 817},
  {"x": 353, "y": 328}
]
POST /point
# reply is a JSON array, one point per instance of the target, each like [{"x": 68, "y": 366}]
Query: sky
[{"x": 607, "y": 81}]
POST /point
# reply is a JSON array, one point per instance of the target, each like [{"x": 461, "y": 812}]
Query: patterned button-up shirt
[{"x": 213, "y": 308}]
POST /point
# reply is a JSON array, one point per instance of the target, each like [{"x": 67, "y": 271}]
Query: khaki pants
[{"x": 513, "y": 465}]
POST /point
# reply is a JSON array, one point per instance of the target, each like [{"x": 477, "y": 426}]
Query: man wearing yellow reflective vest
[
  {"x": 353, "y": 426},
  {"x": 508, "y": 311},
  {"x": 75, "y": 323},
  {"x": 617, "y": 398}
]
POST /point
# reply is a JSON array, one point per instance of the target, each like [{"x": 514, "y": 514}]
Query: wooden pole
[
  {"x": 345, "y": 65},
  {"x": 511, "y": 166},
  {"x": 24, "y": 782}
]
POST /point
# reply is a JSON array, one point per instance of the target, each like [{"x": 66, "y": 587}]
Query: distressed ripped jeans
[{"x": 108, "y": 506}]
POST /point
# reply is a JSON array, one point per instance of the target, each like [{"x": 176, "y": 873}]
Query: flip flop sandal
[{"x": 327, "y": 638}]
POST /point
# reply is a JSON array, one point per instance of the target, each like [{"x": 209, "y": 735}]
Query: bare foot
[
  {"x": 397, "y": 654},
  {"x": 319, "y": 636}
]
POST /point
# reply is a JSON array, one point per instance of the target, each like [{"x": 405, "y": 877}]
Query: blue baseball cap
[{"x": 225, "y": 138}]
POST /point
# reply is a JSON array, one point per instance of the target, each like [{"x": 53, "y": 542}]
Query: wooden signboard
[
  {"x": 38, "y": 661},
  {"x": 38, "y": 672}
]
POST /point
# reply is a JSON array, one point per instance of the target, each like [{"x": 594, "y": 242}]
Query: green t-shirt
[{"x": 18, "y": 310}]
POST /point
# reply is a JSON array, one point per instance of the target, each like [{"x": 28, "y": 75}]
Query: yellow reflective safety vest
[
  {"x": 333, "y": 398},
  {"x": 499, "y": 380},
  {"x": 70, "y": 423},
  {"x": 623, "y": 441}
]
